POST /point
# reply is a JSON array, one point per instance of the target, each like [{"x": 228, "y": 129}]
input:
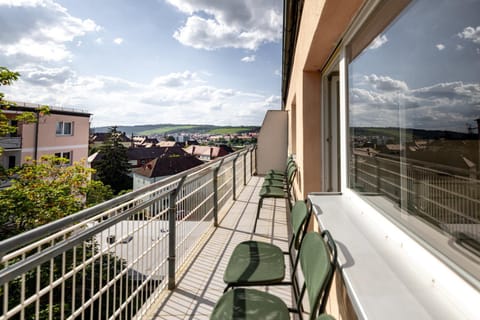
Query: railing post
[
  {"x": 234, "y": 187},
  {"x": 172, "y": 234},
  {"x": 215, "y": 194},
  {"x": 245, "y": 169},
  {"x": 377, "y": 173}
]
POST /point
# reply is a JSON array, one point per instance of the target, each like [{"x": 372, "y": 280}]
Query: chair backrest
[
  {"x": 318, "y": 254},
  {"x": 291, "y": 171},
  {"x": 300, "y": 214}
]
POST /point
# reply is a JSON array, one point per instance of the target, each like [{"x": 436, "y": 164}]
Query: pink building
[{"x": 64, "y": 133}]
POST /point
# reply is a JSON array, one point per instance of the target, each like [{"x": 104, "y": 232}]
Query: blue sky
[{"x": 150, "y": 61}]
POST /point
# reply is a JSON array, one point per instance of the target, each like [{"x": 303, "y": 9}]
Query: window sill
[{"x": 388, "y": 274}]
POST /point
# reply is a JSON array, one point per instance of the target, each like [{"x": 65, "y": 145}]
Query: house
[
  {"x": 140, "y": 156},
  {"x": 207, "y": 153},
  {"x": 64, "y": 133},
  {"x": 98, "y": 138},
  {"x": 172, "y": 161},
  {"x": 170, "y": 144}
]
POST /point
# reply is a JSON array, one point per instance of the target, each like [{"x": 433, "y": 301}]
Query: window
[
  {"x": 414, "y": 118},
  {"x": 65, "y": 155},
  {"x": 64, "y": 128}
]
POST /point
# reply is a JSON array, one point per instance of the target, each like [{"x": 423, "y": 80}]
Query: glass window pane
[
  {"x": 59, "y": 128},
  {"x": 414, "y": 114},
  {"x": 67, "y": 128}
]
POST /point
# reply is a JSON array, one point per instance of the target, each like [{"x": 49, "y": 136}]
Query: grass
[
  {"x": 230, "y": 130},
  {"x": 163, "y": 130}
]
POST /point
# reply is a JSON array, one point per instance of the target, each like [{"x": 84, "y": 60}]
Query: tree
[
  {"x": 7, "y": 78},
  {"x": 113, "y": 167},
  {"x": 45, "y": 190}
]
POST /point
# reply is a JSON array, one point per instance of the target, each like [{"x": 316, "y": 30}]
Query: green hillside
[{"x": 162, "y": 129}]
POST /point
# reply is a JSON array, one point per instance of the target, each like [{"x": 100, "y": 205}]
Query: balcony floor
[{"x": 201, "y": 284}]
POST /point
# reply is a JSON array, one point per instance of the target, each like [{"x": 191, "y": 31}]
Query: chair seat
[
  {"x": 255, "y": 262},
  {"x": 275, "y": 177},
  {"x": 249, "y": 304},
  {"x": 273, "y": 183},
  {"x": 272, "y": 192},
  {"x": 276, "y": 172}
]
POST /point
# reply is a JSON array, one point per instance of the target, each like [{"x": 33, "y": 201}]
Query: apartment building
[
  {"x": 380, "y": 103},
  {"x": 63, "y": 132}
]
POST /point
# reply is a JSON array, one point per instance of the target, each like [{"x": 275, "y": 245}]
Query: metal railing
[
  {"x": 112, "y": 261},
  {"x": 448, "y": 198},
  {"x": 11, "y": 142}
]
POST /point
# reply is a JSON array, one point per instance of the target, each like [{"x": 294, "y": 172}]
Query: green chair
[
  {"x": 317, "y": 258},
  {"x": 283, "y": 173},
  {"x": 276, "y": 192},
  {"x": 254, "y": 263}
]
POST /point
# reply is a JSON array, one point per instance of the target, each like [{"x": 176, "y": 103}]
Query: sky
[
  {"x": 423, "y": 71},
  {"x": 146, "y": 62}
]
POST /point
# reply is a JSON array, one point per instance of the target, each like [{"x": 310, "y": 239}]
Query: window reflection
[{"x": 414, "y": 112}]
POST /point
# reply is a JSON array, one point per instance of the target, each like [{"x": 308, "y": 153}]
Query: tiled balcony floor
[{"x": 201, "y": 284}]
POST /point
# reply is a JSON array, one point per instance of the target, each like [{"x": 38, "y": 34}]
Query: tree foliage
[
  {"x": 7, "y": 78},
  {"x": 46, "y": 190},
  {"x": 113, "y": 167}
]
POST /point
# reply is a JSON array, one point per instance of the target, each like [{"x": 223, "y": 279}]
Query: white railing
[
  {"x": 112, "y": 261},
  {"x": 11, "y": 142},
  {"x": 448, "y": 198}
]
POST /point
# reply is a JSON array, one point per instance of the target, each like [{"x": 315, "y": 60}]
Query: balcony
[
  {"x": 160, "y": 253},
  {"x": 10, "y": 142},
  {"x": 156, "y": 253}
]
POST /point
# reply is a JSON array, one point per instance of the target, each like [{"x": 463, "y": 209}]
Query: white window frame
[{"x": 60, "y": 128}]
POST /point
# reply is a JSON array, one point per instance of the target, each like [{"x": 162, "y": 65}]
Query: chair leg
[{"x": 260, "y": 203}]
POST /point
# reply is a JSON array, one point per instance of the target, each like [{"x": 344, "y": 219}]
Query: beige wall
[
  {"x": 49, "y": 142},
  {"x": 322, "y": 25},
  {"x": 272, "y": 142}
]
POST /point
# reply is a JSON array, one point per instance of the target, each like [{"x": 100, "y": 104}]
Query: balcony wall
[{"x": 272, "y": 142}]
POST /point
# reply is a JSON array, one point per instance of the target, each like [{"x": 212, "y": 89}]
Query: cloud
[
  {"x": 39, "y": 29},
  {"x": 245, "y": 24},
  {"x": 379, "y": 41},
  {"x": 118, "y": 41},
  {"x": 441, "y": 106},
  {"x": 277, "y": 72},
  {"x": 99, "y": 41},
  {"x": 471, "y": 33},
  {"x": 385, "y": 83},
  {"x": 183, "y": 97},
  {"x": 440, "y": 46},
  {"x": 248, "y": 58}
]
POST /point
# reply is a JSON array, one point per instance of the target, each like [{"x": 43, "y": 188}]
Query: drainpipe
[{"x": 35, "y": 148}]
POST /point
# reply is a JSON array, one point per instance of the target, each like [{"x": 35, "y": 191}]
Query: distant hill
[
  {"x": 414, "y": 133},
  {"x": 162, "y": 129}
]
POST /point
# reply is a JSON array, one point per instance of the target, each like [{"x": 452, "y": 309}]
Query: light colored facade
[
  {"x": 359, "y": 77},
  {"x": 62, "y": 132}
]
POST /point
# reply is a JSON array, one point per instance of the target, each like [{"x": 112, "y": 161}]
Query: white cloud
[
  {"x": 248, "y": 58},
  {"x": 182, "y": 97},
  {"x": 99, "y": 41},
  {"x": 471, "y": 33},
  {"x": 379, "y": 41},
  {"x": 39, "y": 29},
  {"x": 277, "y": 72},
  {"x": 440, "y": 46},
  {"x": 243, "y": 24},
  {"x": 442, "y": 106},
  {"x": 118, "y": 41}
]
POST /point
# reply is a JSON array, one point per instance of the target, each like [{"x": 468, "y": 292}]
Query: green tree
[
  {"x": 46, "y": 190},
  {"x": 113, "y": 167},
  {"x": 7, "y": 78}
]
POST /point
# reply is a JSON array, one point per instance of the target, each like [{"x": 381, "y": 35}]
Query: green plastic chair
[
  {"x": 282, "y": 173},
  {"x": 276, "y": 192},
  {"x": 317, "y": 258},
  {"x": 254, "y": 263}
]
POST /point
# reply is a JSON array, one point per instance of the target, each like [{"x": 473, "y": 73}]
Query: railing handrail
[
  {"x": 27, "y": 237},
  {"x": 424, "y": 165}
]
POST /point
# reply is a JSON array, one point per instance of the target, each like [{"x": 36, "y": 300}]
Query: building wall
[
  {"x": 319, "y": 33},
  {"x": 50, "y": 143}
]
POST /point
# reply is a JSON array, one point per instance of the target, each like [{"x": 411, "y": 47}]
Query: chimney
[
  {"x": 211, "y": 152},
  {"x": 193, "y": 150}
]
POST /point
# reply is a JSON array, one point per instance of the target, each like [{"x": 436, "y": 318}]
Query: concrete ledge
[{"x": 387, "y": 274}]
